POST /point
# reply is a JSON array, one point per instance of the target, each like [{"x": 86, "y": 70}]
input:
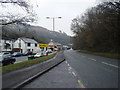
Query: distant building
[
  {"x": 6, "y": 45},
  {"x": 54, "y": 46},
  {"x": 26, "y": 44}
]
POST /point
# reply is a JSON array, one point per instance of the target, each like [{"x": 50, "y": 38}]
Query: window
[
  {"x": 28, "y": 44},
  {"x": 28, "y": 49},
  {"x": 35, "y": 44}
]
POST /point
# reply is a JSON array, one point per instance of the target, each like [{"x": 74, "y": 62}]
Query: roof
[
  {"x": 54, "y": 43},
  {"x": 28, "y": 40}
]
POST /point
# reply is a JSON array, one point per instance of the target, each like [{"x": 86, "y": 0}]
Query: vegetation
[
  {"x": 109, "y": 55},
  {"x": 24, "y": 64},
  {"x": 8, "y": 17},
  {"x": 40, "y": 34},
  {"x": 98, "y": 29}
]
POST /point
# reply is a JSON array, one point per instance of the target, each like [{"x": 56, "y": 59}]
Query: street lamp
[{"x": 53, "y": 18}]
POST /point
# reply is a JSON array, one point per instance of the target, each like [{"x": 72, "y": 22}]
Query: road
[
  {"x": 59, "y": 77},
  {"x": 21, "y": 59},
  {"x": 94, "y": 71},
  {"x": 80, "y": 70}
]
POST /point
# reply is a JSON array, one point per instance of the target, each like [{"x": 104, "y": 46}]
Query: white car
[{"x": 38, "y": 55}]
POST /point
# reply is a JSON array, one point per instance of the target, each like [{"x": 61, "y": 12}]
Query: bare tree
[
  {"x": 101, "y": 1},
  {"x": 100, "y": 28},
  {"x": 9, "y": 18}
]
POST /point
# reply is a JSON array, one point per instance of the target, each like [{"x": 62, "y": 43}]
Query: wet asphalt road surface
[
  {"x": 80, "y": 70},
  {"x": 59, "y": 77},
  {"x": 94, "y": 71}
]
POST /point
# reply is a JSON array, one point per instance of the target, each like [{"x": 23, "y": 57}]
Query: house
[
  {"x": 6, "y": 45},
  {"x": 26, "y": 44},
  {"x": 54, "y": 46}
]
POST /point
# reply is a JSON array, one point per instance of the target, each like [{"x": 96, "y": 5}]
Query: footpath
[{"x": 18, "y": 78}]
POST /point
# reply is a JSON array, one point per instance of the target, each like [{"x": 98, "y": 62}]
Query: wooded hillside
[
  {"x": 40, "y": 34},
  {"x": 98, "y": 29}
]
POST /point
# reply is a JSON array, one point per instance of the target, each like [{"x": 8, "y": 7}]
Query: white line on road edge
[
  {"x": 74, "y": 74},
  {"x": 68, "y": 65},
  {"x": 83, "y": 56},
  {"x": 65, "y": 61},
  {"x": 92, "y": 59},
  {"x": 81, "y": 85},
  {"x": 110, "y": 64}
]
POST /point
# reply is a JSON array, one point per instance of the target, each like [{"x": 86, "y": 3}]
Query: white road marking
[
  {"x": 65, "y": 61},
  {"x": 68, "y": 65},
  {"x": 69, "y": 68},
  {"x": 81, "y": 85},
  {"x": 74, "y": 74},
  {"x": 83, "y": 56},
  {"x": 110, "y": 65},
  {"x": 92, "y": 59}
]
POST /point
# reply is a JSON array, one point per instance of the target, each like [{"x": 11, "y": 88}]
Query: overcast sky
[{"x": 67, "y": 9}]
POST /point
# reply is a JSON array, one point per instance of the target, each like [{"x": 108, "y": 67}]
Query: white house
[
  {"x": 6, "y": 45},
  {"x": 26, "y": 44}
]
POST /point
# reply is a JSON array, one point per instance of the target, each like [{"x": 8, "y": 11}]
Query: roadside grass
[
  {"x": 16, "y": 66},
  {"x": 109, "y": 55}
]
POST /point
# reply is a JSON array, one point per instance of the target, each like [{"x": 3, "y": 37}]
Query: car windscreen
[
  {"x": 38, "y": 54},
  {"x": 15, "y": 53}
]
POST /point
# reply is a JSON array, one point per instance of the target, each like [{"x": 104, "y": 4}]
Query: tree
[
  {"x": 7, "y": 17},
  {"x": 98, "y": 29}
]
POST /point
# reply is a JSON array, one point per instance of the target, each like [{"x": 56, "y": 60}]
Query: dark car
[
  {"x": 5, "y": 53},
  {"x": 28, "y": 53},
  {"x": 6, "y": 59},
  {"x": 16, "y": 54}
]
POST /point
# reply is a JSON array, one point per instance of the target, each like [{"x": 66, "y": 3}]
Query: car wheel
[
  {"x": 12, "y": 62},
  {"x": 3, "y": 64}
]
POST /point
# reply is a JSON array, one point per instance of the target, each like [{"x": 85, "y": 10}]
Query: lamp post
[{"x": 53, "y": 18}]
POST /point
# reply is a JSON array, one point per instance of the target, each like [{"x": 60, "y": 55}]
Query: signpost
[{"x": 42, "y": 45}]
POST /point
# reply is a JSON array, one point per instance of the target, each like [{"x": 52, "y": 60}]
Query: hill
[{"x": 40, "y": 34}]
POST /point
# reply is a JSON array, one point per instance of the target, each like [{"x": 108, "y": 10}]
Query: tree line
[{"x": 98, "y": 29}]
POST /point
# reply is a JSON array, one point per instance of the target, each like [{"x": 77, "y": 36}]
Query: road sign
[{"x": 43, "y": 45}]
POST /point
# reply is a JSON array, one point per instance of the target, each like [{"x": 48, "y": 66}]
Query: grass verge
[
  {"x": 28, "y": 63},
  {"x": 109, "y": 55}
]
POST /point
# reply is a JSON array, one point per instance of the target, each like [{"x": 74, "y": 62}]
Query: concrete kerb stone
[{"x": 35, "y": 76}]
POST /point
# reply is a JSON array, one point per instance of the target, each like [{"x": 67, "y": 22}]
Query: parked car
[
  {"x": 16, "y": 54},
  {"x": 49, "y": 52},
  {"x": 45, "y": 53},
  {"x": 5, "y": 53},
  {"x": 31, "y": 57},
  {"x": 28, "y": 53},
  {"x": 38, "y": 55},
  {"x": 6, "y": 59}
]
